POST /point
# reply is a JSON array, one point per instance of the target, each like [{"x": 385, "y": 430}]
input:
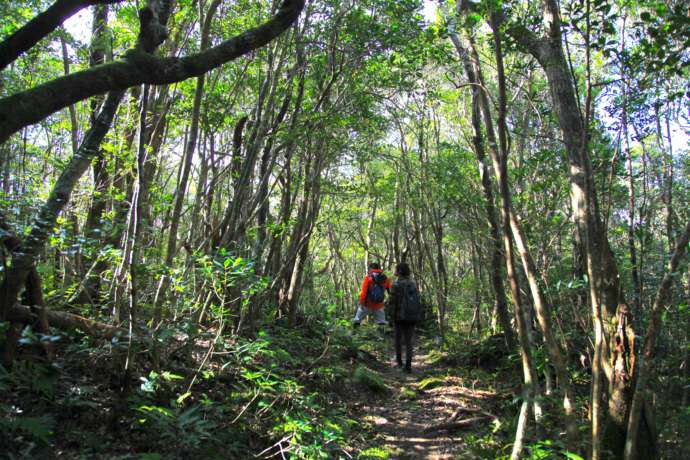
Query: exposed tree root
[
  {"x": 450, "y": 426},
  {"x": 451, "y": 422},
  {"x": 462, "y": 409}
]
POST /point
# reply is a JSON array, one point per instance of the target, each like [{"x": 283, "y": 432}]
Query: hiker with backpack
[
  {"x": 371, "y": 296},
  {"x": 406, "y": 311}
]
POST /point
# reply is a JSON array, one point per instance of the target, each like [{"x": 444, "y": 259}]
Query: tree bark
[
  {"x": 26, "y": 255},
  {"x": 497, "y": 256},
  {"x": 74, "y": 124},
  {"x": 530, "y": 388},
  {"x": 23, "y": 258},
  {"x": 542, "y": 308},
  {"x": 39, "y": 27},
  {"x": 635, "y": 445},
  {"x": 187, "y": 158},
  {"x": 90, "y": 292},
  {"x": 139, "y": 66},
  {"x": 612, "y": 320},
  {"x": 62, "y": 320}
]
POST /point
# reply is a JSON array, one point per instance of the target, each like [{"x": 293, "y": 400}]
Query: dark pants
[{"x": 404, "y": 331}]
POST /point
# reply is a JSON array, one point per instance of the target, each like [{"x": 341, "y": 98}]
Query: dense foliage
[{"x": 180, "y": 261}]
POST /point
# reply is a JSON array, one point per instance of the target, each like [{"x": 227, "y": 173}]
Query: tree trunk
[
  {"x": 74, "y": 124},
  {"x": 531, "y": 385},
  {"x": 92, "y": 224},
  {"x": 187, "y": 157},
  {"x": 635, "y": 274},
  {"x": 497, "y": 256},
  {"x": 636, "y": 444},
  {"x": 612, "y": 320},
  {"x": 24, "y": 257}
]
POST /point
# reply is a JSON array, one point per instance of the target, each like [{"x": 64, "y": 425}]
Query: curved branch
[
  {"x": 33, "y": 31},
  {"x": 24, "y": 256},
  {"x": 33, "y": 105}
]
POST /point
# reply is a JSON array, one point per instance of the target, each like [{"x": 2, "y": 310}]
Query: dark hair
[
  {"x": 374, "y": 266},
  {"x": 402, "y": 269}
]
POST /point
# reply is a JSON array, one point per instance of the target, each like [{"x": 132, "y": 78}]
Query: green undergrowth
[
  {"x": 293, "y": 392},
  {"x": 369, "y": 380},
  {"x": 286, "y": 389}
]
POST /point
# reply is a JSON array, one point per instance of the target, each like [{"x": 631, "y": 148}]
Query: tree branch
[
  {"x": 137, "y": 67},
  {"x": 23, "y": 257},
  {"x": 35, "y": 30},
  {"x": 647, "y": 355},
  {"x": 66, "y": 321}
]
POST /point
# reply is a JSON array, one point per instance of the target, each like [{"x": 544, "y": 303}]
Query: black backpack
[
  {"x": 376, "y": 291},
  {"x": 410, "y": 307}
]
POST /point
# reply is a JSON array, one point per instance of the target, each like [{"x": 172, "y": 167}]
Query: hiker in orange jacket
[{"x": 371, "y": 296}]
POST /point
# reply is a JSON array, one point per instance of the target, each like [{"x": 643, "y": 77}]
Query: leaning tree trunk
[
  {"x": 612, "y": 319},
  {"x": 531, "y": 384},
  {"x": 497, "y": 257},
  {"x": 24, "y": 257},
  {"x": 36, "y": 103},
  {"x": 638, "y": 414},
  {"x": 543, "y": 309},
  {"x": 308, "y": 212}
]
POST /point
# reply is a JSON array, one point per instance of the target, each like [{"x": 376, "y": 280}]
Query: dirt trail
[{"x": 410, "y": 420}]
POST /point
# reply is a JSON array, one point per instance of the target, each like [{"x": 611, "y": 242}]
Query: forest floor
[
  {"x": 432, "y": 412},
  {"x": 317, "y": 390},
  {"x": 311, "y": 392}
]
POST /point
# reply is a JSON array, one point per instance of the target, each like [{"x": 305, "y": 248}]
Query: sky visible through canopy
[{"x": 79, "y": 26}]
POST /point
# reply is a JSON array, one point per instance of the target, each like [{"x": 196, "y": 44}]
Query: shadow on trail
[{"x": 428, "y": 413}]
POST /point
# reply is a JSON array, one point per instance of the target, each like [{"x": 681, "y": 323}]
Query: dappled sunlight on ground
[{"x": 412, "y": 421}]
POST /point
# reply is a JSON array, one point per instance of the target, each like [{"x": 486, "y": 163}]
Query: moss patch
[
  {"x": 369, "y": 380},
  {"x": 407, "y": 394},
  {"x": 431, "y": 383},
  {"x": 381, "y": 453}
]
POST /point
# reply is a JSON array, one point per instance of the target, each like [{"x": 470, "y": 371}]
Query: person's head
[
  {"x": 402, "y": 269},
  {"x": 374, "y": 266}
]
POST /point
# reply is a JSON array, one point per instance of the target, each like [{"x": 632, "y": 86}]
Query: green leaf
[{"x": 572, "y": 456}]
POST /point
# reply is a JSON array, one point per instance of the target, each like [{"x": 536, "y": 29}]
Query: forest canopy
[{"x": 191, "y": 192}]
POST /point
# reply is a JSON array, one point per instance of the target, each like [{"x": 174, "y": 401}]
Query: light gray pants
[{"x": 362, "y": 311}]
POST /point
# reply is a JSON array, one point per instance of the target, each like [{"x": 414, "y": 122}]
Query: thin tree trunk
[
  {"x": 543, "y": 310},
  {"x": 668, "y": 160},
  {"x": 531, "y": 385},
  {"x": 23, "y": 258},
  {"x": 476, "y": 271},
  {"x": 633, "y": 449},
  {"x": 90, "y": 291},
  {"x": 637, "y": 290},
  {"x": 520, "y": 432},
  {"x": 74, "y": 131},
  {"x": 497, "y": 256},
  {"x": 187, "y": 157},
  {"x": 373, "y": 204},
  {"x": 306, "y": 220},
  {"x": 612, "y": 320}
]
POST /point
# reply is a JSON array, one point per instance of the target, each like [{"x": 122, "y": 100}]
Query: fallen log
[{"x": 68, "y": 321}]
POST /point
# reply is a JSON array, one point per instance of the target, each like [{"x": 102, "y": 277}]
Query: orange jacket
[{"x": 365, "y": 287}]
